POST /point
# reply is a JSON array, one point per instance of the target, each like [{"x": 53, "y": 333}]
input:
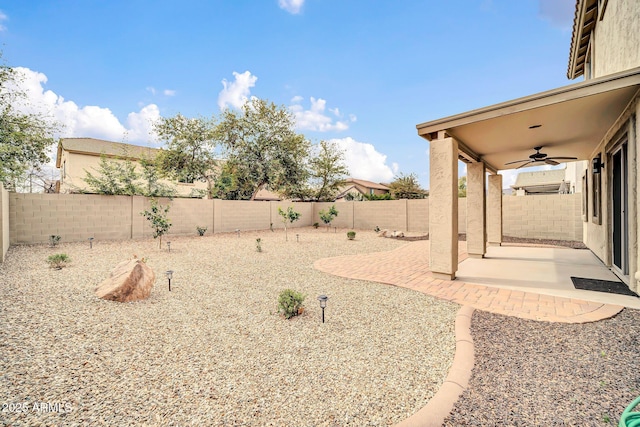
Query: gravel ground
[
  {"x": 213, "y": 351},
  {"x": 507, "y": 239},
  {"x": 531, "y": 373}
]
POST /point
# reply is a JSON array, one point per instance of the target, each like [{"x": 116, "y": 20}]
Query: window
[
  {"x": 596, "y": 177},
  {"x": 371, "y": 191}
]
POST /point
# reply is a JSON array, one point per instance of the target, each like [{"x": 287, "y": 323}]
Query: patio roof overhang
[{"x": 569, "y": 121}]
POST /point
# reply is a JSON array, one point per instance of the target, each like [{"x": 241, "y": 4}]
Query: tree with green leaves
[
  {"x": 158, "y": 220},
  {"x": 152, "y": 186},
  {"x": 289, "y": 216},
  {"x": 24, "y": 137},
  {"x": 328, "y": 171},
  {"x": 189, "y": 153},
  {"x": 407, "y": 187},
  {"x": 263, "y": 150},
  {"x": 328, "y": 215},
  {"x": 462, "y": 186},
  {"x": 113, "y": 177}
]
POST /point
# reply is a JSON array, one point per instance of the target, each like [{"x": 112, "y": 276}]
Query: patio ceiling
[{"x": 569, "y": 121}]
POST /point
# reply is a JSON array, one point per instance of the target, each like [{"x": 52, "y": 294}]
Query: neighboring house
[
  {"x": 597, "y": 120},
  {"x": 356, "y": 189},
  {"x": 77, "y": 156},
  {"x": 555, "y": 181}
]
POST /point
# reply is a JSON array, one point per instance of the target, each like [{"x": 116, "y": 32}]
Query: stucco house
[
  {"x": 567, "y": 180},
  {"x": 358, "y": 188},
  {"x": 76, "y": 156},
  {"x": 595, "y": 120}
]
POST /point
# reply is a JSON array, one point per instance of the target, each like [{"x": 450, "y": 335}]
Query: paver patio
[{"x": 408, "y": 266}]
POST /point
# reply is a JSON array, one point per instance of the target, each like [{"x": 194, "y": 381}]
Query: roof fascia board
[{"x": 554, "y": 96}]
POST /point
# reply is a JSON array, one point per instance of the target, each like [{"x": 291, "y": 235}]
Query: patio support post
[
  {"x": 476, "y": 210},
  {"x": 494, "y": 211},
  {"x": 443, "y": 207}
]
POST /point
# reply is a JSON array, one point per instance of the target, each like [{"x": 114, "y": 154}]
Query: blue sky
[{"x": 362, "y": 73}]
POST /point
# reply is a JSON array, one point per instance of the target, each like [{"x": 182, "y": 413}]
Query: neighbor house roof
[
  {"x": 367, "y": 184},
  {"x": 98, "y": 147},
  {"x": 549, "y": 177}
]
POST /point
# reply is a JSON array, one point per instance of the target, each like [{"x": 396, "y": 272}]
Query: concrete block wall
[
  {"x": 304, "y": 209},
  {"x": 34, "y": 217},
  {"x": 418, "y": 215},
  {"x": 4, "y": 223},
  {"x": 543, "y": 217},
  {"x": 31, "y": 218}
]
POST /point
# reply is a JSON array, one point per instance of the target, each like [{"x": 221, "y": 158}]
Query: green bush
[
  {"x": 316, "y": 225},
  {"x": 290, "y": 303},
  {"x": 58, "y": 261},
  {"x": 201, "y": 230},
  {"x": 351, "y": 235},
  {"x": 328, "y": 215}
]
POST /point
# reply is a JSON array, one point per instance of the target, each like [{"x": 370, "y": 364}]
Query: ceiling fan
[{"x": 539, "y": 157}]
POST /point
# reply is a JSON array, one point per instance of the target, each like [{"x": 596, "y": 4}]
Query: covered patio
[{"x": 567, "y": 122}]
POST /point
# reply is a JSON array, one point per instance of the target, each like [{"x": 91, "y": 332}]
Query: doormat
[{"x": 602, "y": 286}]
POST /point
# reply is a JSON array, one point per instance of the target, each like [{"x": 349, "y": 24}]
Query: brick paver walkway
[{"x": 408, "y": 266}]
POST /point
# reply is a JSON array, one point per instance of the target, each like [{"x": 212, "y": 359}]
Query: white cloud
[
  {"x": 86, "y": 121},
  {"x": 291, "y": 6},
  {"x": 3, "y": 17},
  {"x": 315, "y": 119},
  {"x": 169, "y": 92},
  {"x": 364, "y": 162},
  {"x": 236, "y": 93},
  {"x": 151, "y": 90}
]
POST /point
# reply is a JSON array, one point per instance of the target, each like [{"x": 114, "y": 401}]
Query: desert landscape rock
[{"x": 130, "y": 280}]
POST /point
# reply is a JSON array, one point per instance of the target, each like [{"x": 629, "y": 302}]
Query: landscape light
[
  {"x": 90, "y": 242},
  {"x": 238, "y": 232},
  {"x": 169, "y": 246},
  {"x": 297, "y": 237},
  {"x": 323, "y": 303},
  {"x": 169, "y": 274}
]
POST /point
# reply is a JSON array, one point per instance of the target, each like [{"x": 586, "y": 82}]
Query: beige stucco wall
[
  {"x": 543, "y": 217},
  {"x": 617, "y": 38},
  {"x": 598, "y": 236},
  {"x": 74, "y": 168},
  {"x": 4, "y": 223}
]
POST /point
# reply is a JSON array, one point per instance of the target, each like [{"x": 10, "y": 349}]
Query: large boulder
[{"x": 130, "y": 280}]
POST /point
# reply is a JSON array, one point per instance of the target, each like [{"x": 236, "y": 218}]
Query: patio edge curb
[{"x": 457, "y": 381}]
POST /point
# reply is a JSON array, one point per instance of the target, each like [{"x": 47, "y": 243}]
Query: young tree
[
  {"x": 190, "y": 149},
  {"x": 290, "y": 216},
  {"x": 407, "y": 187},
  {"x": 24, "y": 137},
  {"x": 158, "y": 220},
  {"x": 263, "y": 150},
  {"x": 327, "y": 170},
  {"x": 328, "y": 215},
  {"x": 462, "y": 186},
  {"x": 152, "y": 187}
]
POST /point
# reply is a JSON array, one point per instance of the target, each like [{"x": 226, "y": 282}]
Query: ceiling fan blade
[
  {"x": 517, "y": 161},
  {"x": 528, "y": 163},
  {"x": 562, "y": 158},
  {"x": 551, "y": 162}
]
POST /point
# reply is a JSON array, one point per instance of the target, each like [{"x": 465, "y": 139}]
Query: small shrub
[
  {"x": 58, "y": 261},
  {"x": 54, "y": 239},
  {"x": 290, "y": 303},
  {"x": 201, "y": 230},
  {"x": 377, "y": 229},
  {"x": 316, "y": 225},
  {"x": 259, "y": 244},
  {"x": 351, "y": 235}
]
